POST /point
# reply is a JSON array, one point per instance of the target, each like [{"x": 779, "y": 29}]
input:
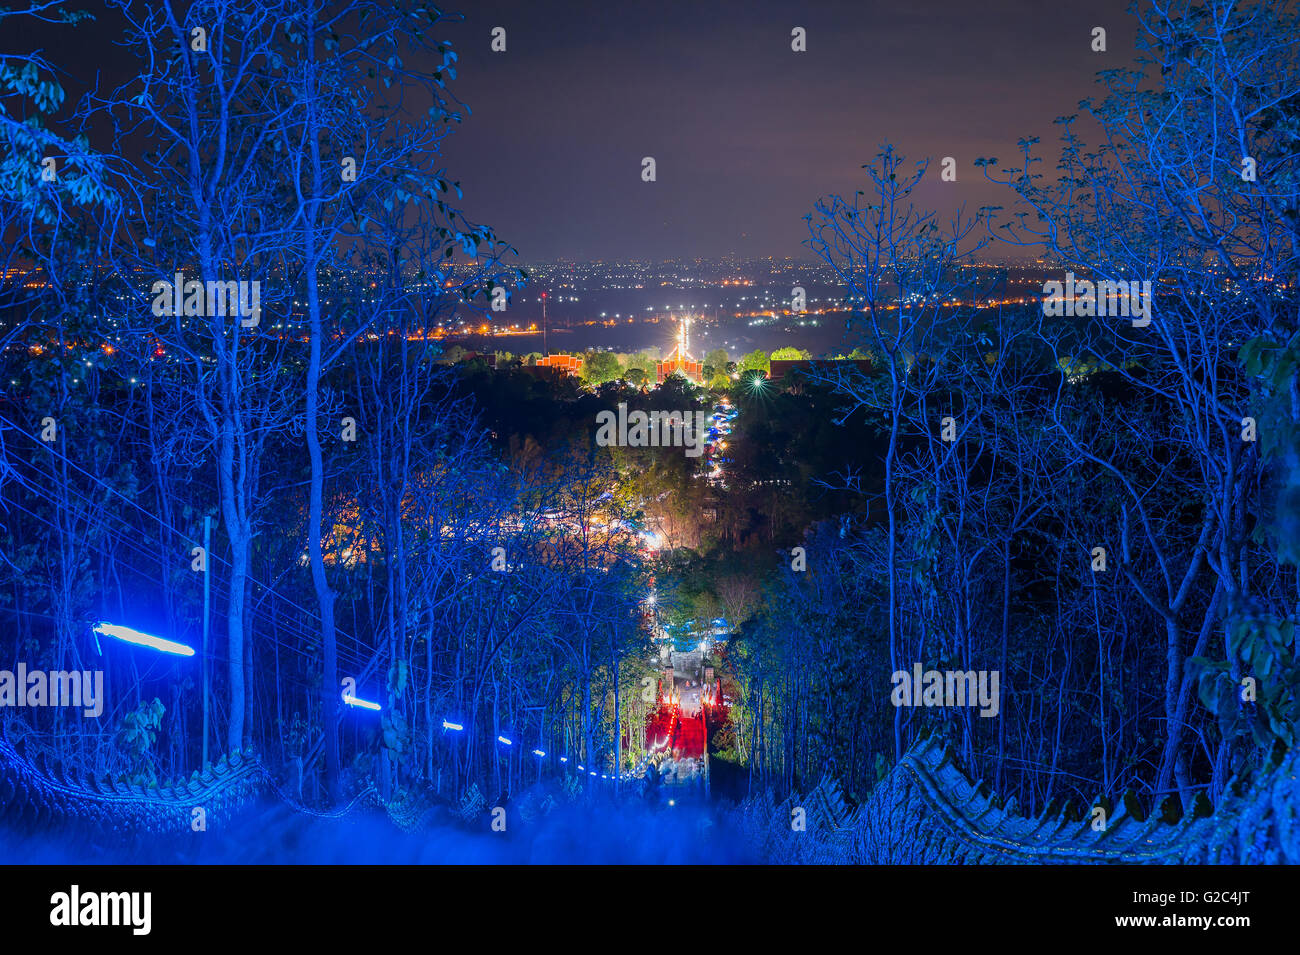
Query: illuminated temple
[{"x": 679, "y": 360}]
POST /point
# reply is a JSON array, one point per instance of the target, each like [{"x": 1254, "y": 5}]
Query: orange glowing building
[
  {"x": 569, "y": 364},
  {"x": 679, "y": 361}
]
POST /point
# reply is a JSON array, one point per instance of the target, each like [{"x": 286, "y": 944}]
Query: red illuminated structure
[
  {"x": 679, "y": 735},
  {"x": 679, "y": 360},
  {"x": 569, "y": 364}
]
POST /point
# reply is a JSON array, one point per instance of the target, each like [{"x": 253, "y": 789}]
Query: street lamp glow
[
  {"x": 538, "y": 752},
  {"x": 504, "y": 740},
  {"x": 451, "y": 726},
  {"x": 351, "y": 700},
  {"x": 128, "y": 635}
]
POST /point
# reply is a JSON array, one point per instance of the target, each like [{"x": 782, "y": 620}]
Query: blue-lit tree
[
  {"x": 363, "y": 181},
  {"x": 1103, "y": 481},
  {"x": 1193, "y": 189}
]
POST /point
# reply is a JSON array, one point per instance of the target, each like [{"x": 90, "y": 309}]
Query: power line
[
  {"x": 349, "y": 656},
  {"x": 168, "y": 528},
  {"x": 127, "y": 543}
]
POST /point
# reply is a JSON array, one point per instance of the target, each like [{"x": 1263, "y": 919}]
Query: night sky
[{"x": 747, "y": 134}]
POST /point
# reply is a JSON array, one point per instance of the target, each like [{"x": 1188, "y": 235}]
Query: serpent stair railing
[{"x": 924, "y": 811}]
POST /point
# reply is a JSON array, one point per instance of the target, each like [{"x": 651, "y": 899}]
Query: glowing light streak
[{"x": 129, "y": 635}]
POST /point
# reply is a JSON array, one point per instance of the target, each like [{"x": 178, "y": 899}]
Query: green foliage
[
  {"x": 725, "y": 743},
  {"x": 789, "y": 353},
  {"x": 927, "y": 535},
  {"x": 1260, "y": 645},
  {"x": 599, "y": 367},
  {"x": 1273, "y": 365},
  {"x": 715, "y": 365},
  {"x": 638, "y": 360},
  {"x": 1082, "y": 366},
  {"x": 135, "y": 738},
  {"x": 296, "y": 735},
  {"x": 398, "y": 676},
  {"x": 23, "y": 78},
  {"x": 756, "y": 360},
  {"x": 881, "y": 767},
  {"x": 28, "y": 95},
  {"x": 396, "y": 734}
]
